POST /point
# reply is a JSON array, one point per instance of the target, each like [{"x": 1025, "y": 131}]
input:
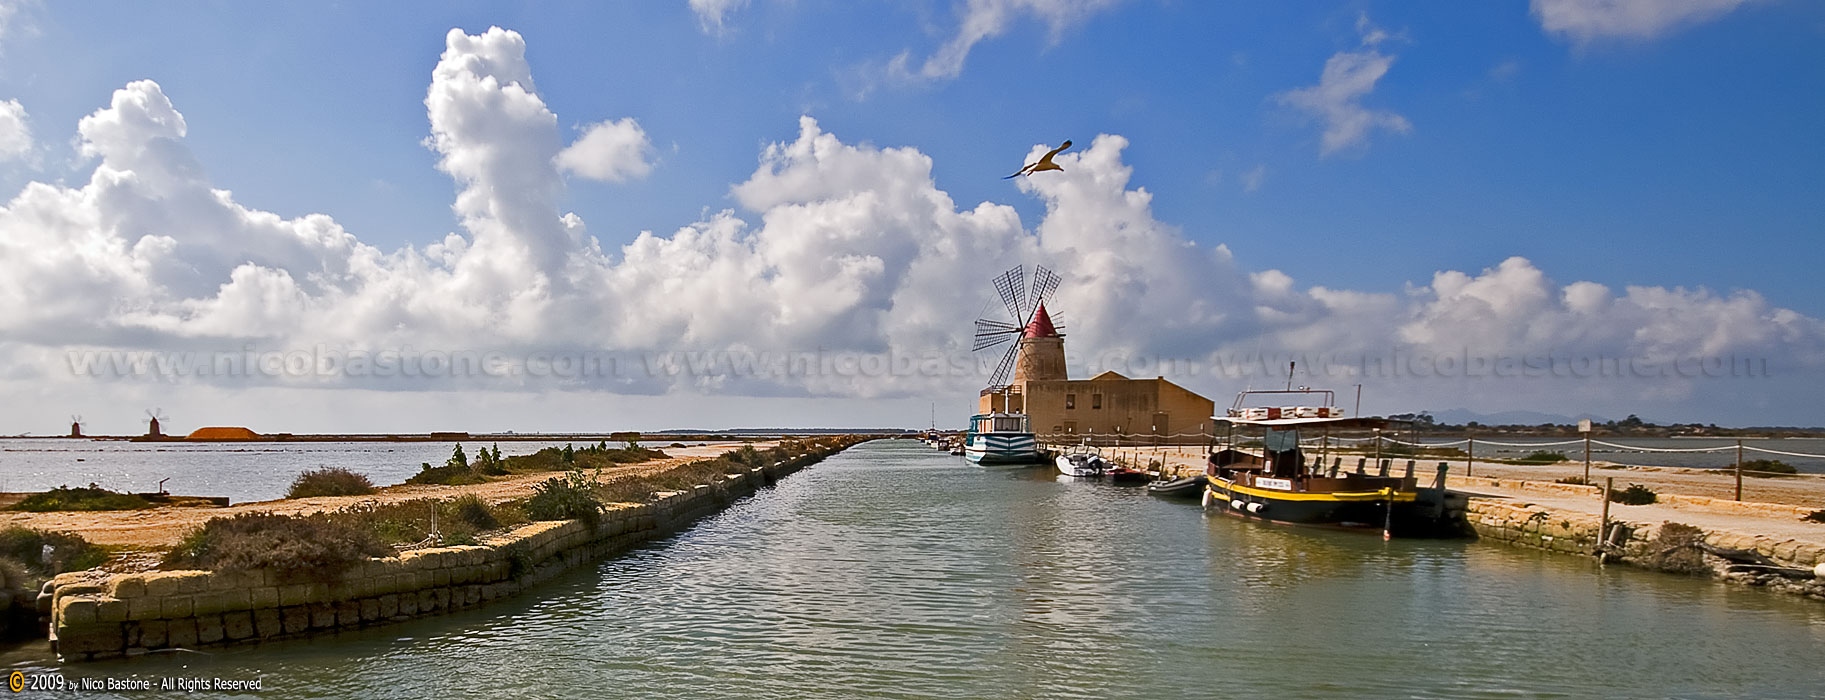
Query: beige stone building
[{"x": 1104, "y": 405}]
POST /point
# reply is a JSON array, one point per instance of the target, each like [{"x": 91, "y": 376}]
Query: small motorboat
[
  {"x": 1125, "y": 475},
  {"x": 1189, "y": 488},
  {"x": 1082, "y": 465}
]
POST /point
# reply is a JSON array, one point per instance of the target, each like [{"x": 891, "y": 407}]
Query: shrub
[
  {"x": 747, "y": 455},
  {"x": 1573, "y": 480},
  {"x": 14, "y": 576},
  {"x": 1768, "y": 467},
  {"x": 330, "y": 481},
  {"x": 1634, "y": 495},
  {"x": 598, "y": 456},
  {"x": 312, "y": 547},
  {"x": 569, "y": 497},
  {"x": 1542, "y": 457},
  {"x": 488, "y": 463},
  {"x": 446, "y": 475},
  {"x": 1676, "y": 550},
  {"x": 469, "y": 509},
  {"x": 1817, "y": 516},
  {"x": 67, "y": 551},
  {"x": 91, "y": 497}
]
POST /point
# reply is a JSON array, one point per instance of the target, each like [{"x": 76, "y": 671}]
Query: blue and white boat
[{"x": 1000, "y": 438}]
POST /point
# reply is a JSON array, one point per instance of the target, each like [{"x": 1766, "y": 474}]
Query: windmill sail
[{"x": 1011, "y": 286}]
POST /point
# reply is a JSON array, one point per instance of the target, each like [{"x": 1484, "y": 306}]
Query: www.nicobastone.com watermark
[{"x": 325, "y": 363}]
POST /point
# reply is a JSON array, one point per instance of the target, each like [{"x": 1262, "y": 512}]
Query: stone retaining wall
[
  {"x": 1529, "y": 525},
  {"x": 93, "y": 617}
]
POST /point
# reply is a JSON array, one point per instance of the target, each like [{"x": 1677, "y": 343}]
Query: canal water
[
  {"x": 241, "y": 471},
  {"x": 892, "y": 570}
]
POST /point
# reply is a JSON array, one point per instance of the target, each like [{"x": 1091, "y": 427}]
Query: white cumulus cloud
[
  {"x": 15, "y": 131},
  {"x": 835, "y": 247},
  {"x": 981, "y": 20},
  {"x": 1587, "y": 20},
  {"x": 610, "y": 151},
  {"x": 1336, "y": 101}
]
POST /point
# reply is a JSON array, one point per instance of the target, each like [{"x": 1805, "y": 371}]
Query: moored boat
[
  {"x": 1125, "y": 475},
  {"x": 1190, "y": 487},
  {"x": 1081, "y": 465},
  {"x": 1284, "y": 484},
  {"x": 1000, "y": 439}
]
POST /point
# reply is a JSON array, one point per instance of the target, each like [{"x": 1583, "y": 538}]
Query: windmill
[
  {"x": 1023, "y": 304},
  {"x": 75, "y": 426},
  {"x": 153, "y": 416}
]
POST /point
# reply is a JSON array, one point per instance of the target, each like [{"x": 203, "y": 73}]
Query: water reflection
[{"x": 895, "y": 571}]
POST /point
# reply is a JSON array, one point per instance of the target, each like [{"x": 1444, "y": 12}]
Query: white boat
[
  {"x": 1082, "y": 465},
  {"x": 1001, "y": 438}
]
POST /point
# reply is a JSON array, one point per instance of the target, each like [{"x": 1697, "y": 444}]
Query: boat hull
[
  {"x": 1082, "y": 470},
  {"x": 1191, "y": 488},
  {"x": 996, "y": 449},
  {"x": 1364, "y": 510}
]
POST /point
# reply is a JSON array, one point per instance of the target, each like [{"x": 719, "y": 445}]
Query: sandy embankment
[{"x": 159, "y": 528}]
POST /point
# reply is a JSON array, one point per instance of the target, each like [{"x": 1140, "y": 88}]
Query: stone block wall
[{"x": 93, "y": 617}]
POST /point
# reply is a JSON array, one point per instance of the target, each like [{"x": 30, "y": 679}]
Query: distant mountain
[{"x": 1460, "y": 416}]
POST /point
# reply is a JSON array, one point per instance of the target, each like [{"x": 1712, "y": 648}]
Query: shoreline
[
  {"x": 1524, "y": 506},
  {"x": 97, "y": 615}
]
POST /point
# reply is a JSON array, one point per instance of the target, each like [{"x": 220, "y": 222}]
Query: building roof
[
  {"x": 1041, "y": 327},
  {"x": 1108, "y": 376}
]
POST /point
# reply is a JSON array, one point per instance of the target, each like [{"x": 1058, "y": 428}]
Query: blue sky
[{"x": 1677, "y": 151}]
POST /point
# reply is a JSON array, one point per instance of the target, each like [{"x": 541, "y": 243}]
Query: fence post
[
  {"x": 1587, "y": 459},
  {"x": 1603, "y": 529},
  {"x": 1739, "y": 469},
  {"x": 1470, "y": 464}
]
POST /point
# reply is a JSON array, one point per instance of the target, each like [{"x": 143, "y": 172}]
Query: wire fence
[{"x": 1178, "y": 443}]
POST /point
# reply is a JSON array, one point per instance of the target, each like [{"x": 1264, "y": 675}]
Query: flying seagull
[{"x": 1044, "y": 162}]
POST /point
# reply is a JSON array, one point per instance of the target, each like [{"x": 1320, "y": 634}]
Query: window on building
[
  {"x": 1096, "y": 400},
  {"x": 1070, "y": 401},
  {"x": 1070, "y": 426}
]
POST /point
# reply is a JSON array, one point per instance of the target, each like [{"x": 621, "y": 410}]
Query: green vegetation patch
[
  {"x": 457, "y": 470},
  {"x": 1768, "y": 468},
  {"x": 330, "y": 481},
  {"x": 568, "y": 497},
  {"x": 568, "y": 457},
  {"x": 315, "y": 547},
  {"x": 91, "y": 497},
  {"x": 1634, "y": 495},
  {"x": 1539, "y": 457},
  {"x": 43, "y": 553}
]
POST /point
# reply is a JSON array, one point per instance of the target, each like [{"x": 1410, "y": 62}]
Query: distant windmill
[
  {"x": 1025, "y": 307},
  {"x": 153, "y": 416},
  {"x": 75, "y": 426}
]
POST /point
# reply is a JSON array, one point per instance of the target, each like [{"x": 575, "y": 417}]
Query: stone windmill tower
[{"x": 1037, "y": 349}]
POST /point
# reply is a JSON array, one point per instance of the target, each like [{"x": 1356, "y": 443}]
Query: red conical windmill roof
[{"x": 1041, "y": 327}]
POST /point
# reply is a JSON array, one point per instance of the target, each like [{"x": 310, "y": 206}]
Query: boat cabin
[
  {"x": 1296, "y": 444},
  {"x": 999, "y": 423}
]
